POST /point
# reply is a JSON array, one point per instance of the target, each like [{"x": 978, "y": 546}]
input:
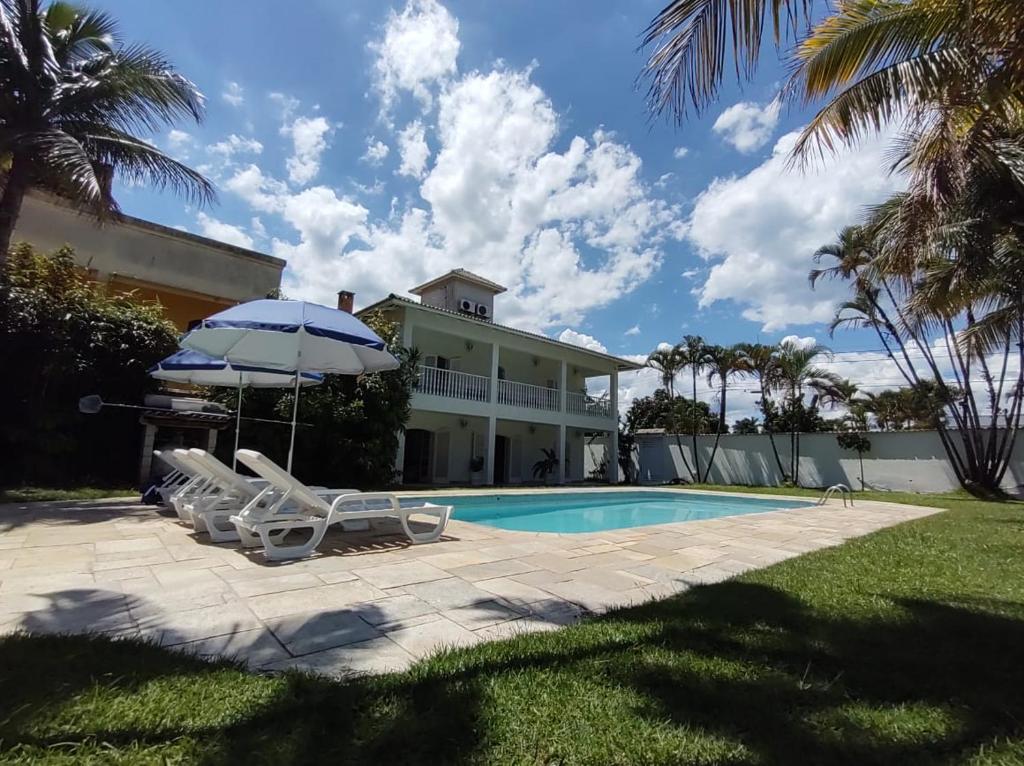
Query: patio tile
[
  {"x": 426, "y": 639},
  {"x": 513, "y": 591},
  {"x": 541, "y": 579},
  {"x": 555, "y": 563},
  {"x": 178, "y": 627},
  {"x": 314, "y": 631},
  {"x": 515, "y": 628},
  {"x": 451, "y": 593},
  {"x": 131, "y": 545},
  {"x": 378, "y": 655},
  {"x": 493, "y": 569},
  {"x": 481, "y": 615},
  {"x": 323, "y": 597},
  {"x": 612, "y": 579},
  {"x": 396, "y": 611},
  {"x": 265, "y": 585},
  {"x": 255, "y": 647},
  {"x": 590, "y": 597},
  {"x": 392, "y": 575}
]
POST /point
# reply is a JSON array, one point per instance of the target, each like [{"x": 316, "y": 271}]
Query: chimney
[{"x": 345, "y": 301}]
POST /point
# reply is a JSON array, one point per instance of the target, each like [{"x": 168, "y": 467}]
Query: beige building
[
  {"x": 191, "y": 276},
  {"x": 490, "y": 399}
]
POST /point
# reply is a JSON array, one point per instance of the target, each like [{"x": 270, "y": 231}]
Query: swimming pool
[{"x": 573, "y": 512}]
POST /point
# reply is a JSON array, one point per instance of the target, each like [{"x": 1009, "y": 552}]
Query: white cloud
[
  {"x": 376, "y": 151},
  {"x": 786, "y": 215},
  {"x": 634, "y": 330},
  {"x": 680, "y": 152},
  {"x": 567, "y": 223},
  {"x": 179, "y": 139},
  {"x": 582, "y": 340},
  {"x": 223, "y": 232},
  {"x": 309, "y": 140},
  {"x": 796, "y": 341},
  {"x": 747, "y": 126},
  {"x": 419, "y": 48},
  {"x": 412, "y": 145},
  {"x": 286, "y": 104},
  {"x": 233, "y": 94},
  {"x": 235, "y": 144},
  {"x": 690, "y": 273}
]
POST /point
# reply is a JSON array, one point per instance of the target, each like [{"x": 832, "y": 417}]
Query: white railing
[
  {"x": 454, "y": 384},
  {"x": 528, "y": 395},
  {"x": 583, "y": 404}
]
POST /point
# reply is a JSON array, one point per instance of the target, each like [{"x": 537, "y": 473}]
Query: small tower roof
[{"x": 466, "y": 276}]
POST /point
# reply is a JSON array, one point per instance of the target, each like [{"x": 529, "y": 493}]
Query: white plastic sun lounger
[
  {"x": 198, "y": 486},
  {"x": 262, "y": 522},
  {"x": 227, "y": 493},
  {"x": 174, "y": 480}
]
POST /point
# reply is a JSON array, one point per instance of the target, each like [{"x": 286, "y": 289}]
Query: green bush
[{"x": 63, "y": 336}]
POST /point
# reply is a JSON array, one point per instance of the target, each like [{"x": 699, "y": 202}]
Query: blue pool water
[{"x": 598, "y": 511}]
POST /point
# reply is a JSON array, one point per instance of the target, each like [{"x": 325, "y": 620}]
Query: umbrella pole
[
  {"x": 295, "y": 417},
  {"x": 238, "y": 424}
]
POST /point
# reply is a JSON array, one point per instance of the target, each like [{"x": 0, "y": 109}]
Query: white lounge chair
[
  {"x": 263, "y": 523},
  {"x": 227, "y": 493},
  {"x": 199, "y": 485},
  {"x": 172, "y": 481}
]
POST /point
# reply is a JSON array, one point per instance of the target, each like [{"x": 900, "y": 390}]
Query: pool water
[{"x": 571, "y": 512}]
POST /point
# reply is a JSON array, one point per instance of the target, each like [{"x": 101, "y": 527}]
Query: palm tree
[
  {"x": 761, "y": 362},
  {"x": 669, "y": 362},
  {"x": 724, "y": 363},
  {"x": 693, "y": 351},
  {"x": 73, "y": 100},
  {"x": 797, "y": 371}
]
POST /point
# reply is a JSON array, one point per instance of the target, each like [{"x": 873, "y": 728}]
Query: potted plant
[
  {"x": 476, "y": 471},
  {"x": 546, "y": 466}
]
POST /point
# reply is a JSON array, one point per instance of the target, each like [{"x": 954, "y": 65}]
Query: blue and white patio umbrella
[
  {"x": 291, "y": 335},
  {"x": 198, "y": 369}
]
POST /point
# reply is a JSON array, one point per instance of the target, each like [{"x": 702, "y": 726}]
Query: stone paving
[{"x": 369, "y": 601}]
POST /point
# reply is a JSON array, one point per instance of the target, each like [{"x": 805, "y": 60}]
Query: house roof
[
  {"x": 466, "y": 276},
  {"x": 397, "y": 300}
]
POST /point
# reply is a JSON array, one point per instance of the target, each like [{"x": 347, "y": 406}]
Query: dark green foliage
[
  {"x": 902, "y": 647},
  {"x": 673, "y": 413},
  {"x": 745, "y": 426},
  {"x": 63, "y": 336},
  {"x": 352, "y": 424}
]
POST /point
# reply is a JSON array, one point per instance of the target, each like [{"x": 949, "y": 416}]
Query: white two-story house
[{"x": 490, "y": 399}]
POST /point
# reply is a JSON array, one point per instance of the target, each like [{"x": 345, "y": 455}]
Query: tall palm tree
[
  {"x": 797, "y": 371},
  {"x": 723, "y": 363},
  {"x": 762, "y": 364},
  {"x": 669, "y": 362},
  {"x": 73, "y": 100},
  {"x": 693, "y": 351}
]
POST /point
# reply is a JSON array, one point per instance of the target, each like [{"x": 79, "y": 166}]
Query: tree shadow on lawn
[{"x": 920, "y": 682}]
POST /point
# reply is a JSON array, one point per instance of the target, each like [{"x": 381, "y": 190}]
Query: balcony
[
  {"x": 453, "y": 384},
  {"x": 527, "y": 395},
  {"x": 456, "y": 385},
  {"x": 584, "y": 404}
]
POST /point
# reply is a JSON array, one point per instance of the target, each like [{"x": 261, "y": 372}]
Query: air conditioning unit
[
  {"x": 483, "y": 311},
  {"x": 468, "y": 306}
]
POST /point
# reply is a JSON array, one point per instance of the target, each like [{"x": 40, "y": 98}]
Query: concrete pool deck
[{"x": 370, "y": 601}]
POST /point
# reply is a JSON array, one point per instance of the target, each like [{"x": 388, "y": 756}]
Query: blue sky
[{"x": 377, "y": 144}]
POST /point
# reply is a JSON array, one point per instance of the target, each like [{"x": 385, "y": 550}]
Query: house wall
[
  {"x": 447, "y": 296},
  {"x": 912, "y": 461},
  {"x": 191, "y": 276}
]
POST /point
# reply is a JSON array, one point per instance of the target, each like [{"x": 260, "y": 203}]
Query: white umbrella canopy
[
  {"x": 292, "y": 335},
  {"x": 197, "y": 369}
]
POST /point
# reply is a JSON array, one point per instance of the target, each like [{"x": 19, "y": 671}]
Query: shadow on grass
[{"x": 737, "y": 662}]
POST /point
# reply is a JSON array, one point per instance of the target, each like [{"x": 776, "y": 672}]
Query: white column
[
  {"x": 407, "y": 330},
  {"x": 613, "y": 439},
  {"x": 400, "y": 457},
  {"x": 562, "y": 389},
  {"x": 494, "y": 377},
  {"x": 492, "y": 424},
  {"x": 561, "y": 448}
]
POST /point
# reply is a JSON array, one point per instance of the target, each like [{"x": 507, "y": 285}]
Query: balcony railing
[
  {"x": 454, "y": 384},
  {"x": 528, "y": 395},
  {"x": 583, "y": 404}
]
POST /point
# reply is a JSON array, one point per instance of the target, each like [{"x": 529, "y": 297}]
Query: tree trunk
[
  {"x": 693, "y": 423},
  {"x": 10, "y": 202},
  {"x": 721, "y": 427}
]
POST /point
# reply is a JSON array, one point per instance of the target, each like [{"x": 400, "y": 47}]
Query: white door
[
  {"x": 515, "y": 460},
  {"x": 442, "y": 456}
]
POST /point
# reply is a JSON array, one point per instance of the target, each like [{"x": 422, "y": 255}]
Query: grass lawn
[
  {"x": 37, "y": 494},
  {"x": 902, "y": 647}
]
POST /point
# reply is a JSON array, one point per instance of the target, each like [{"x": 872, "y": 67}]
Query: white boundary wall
[{"x": 912, "y": 461}]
